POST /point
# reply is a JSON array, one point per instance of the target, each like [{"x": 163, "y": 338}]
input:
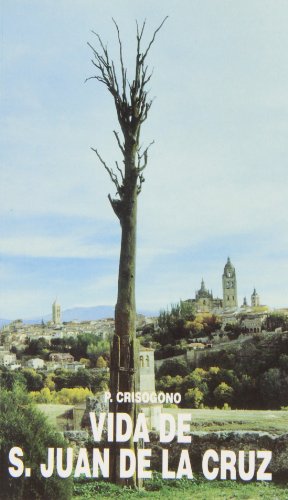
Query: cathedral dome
[{"x": 203, "y": 292}]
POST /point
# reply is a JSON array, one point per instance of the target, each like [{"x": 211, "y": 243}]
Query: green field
[
  {"x": 272, "y": 421},
  {"x": 52, "y": 411},
  {"x": 184, "y": 489}
]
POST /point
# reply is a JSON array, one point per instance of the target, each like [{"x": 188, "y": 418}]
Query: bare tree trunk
[
  {"x": 123, "y": 362},
  {"x": 132, "y": 107}
]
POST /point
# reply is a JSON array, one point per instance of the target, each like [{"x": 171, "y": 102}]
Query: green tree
[
  {"x": 101, "y": 363},
  {"x": 169, "y": 384},
  {"x": 85, "y": 362},
  {"x": 37, "y": 347},
  {"x": 132, "y": 107},
  {"x": 72, "y": 396},
  {"x": 196, "y": 380},
  {"x": 273, "y": 389},
  {"x": 223, "y": 393},
  {"x": 276, "y": 320},
  {"x": 247, "y": 394},
  {"x": 173, "y": 367},
  {"x": 194, "y": 397},
  {"x": 49, "y": 381},
  {"x": 283, "y": 362},
  {"x": 22, "y": 425},
  {"x": 101, "y": 348},
  {"x": 34, "y": 380},
  {"x": 43, "y": 396},
  {"x": 8, "y": 379}
]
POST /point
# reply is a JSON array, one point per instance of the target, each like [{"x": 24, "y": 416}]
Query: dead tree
[{"x": 132, "y": 106}]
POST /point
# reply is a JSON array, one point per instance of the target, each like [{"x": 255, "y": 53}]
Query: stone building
[
  {"x": 7, "y": 358},
  {"x": 77, "y": 417},
  {"x": 56, "y": 313},
  {"x": 229, "y": 285},
  {"x": 146, "y": 370},
  {"x": 61, "y": 357},
  {"x": 255, "y": 299},
  {"x": 253, "y": 323},
  {"x": 147, "y": 384},
  {"x": 204, "y": 301},
  {"x": 35, "y": 363},
  {"x": 244, "y": 305}
]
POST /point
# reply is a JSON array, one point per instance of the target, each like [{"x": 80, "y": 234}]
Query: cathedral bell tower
[
  {"x": 255, "y": 300},
  {"x": 56, "y": 313},
  {"x": 229, "y": 286}
]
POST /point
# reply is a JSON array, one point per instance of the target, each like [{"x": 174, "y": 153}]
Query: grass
[
  {"x": 272, "y": 421},
  {"x": 197, "y": 489},
  {"x": 52, "y": 411}
]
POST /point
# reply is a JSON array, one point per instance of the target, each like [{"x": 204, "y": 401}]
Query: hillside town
[
  {"x": 247, "y": 319},
  {"x": 17, "y": 335}
]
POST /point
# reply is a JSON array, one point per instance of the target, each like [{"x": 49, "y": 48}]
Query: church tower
[
  {"x": 56, "y": 313},
  {"x": 229, "y": 285},
  {"x": 255, "y": 299}
]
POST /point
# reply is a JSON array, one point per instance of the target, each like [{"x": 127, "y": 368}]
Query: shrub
[
  {"x": 173, "y": 367},
  {"x": 22, "y": 425}
]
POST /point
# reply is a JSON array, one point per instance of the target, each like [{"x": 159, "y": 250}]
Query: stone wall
[
  {"x": 203, "y": 441},
  {"x": 235, "y": 441},
  {"x": 191, "y": 357}
]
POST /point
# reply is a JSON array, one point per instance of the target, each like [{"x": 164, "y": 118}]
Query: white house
[
  {"x": 7, "y": 358},
  {"x": 36, "y": 363}
]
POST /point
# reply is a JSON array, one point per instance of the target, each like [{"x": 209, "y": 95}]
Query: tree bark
[
  {"x": 123, "y": 362},
  {"x": 132, "y": 106}
]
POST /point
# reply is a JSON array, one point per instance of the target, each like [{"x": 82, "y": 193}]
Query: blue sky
[{"x": 216, "y": 182}]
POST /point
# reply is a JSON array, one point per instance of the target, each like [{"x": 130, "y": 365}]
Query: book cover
[{"x": 208, "y": 406}]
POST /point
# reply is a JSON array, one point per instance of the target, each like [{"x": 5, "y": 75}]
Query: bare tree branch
[
  {"x": 117, "y": 206},
  {"x": 121, "y": 173},
  {"x": 153, "y": 38},
  {"x": 139, "y": 36},
  {"x": 139, "y": 186},
  {"x": 123, "y": 70},
  {"x": 113, "y": 176},
  {"x": 119, "y": 142},
  {"x": 100, "y": 41},
  {"x": 144, "y": 155},
  {"x": 132, "y": 110},
  {"x": 115, "y": 77}
]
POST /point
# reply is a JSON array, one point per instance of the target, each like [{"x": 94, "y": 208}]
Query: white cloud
[
  {"x": 56, "y": 246},
  {"x": 218, "y": 169}
]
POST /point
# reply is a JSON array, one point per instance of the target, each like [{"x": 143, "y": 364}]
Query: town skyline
[
  {"x": 216, "y": 180},
  {"x": 204, "y": 300}
]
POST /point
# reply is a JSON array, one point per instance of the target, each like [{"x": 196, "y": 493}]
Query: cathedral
[{"x": 204, "y": 301}]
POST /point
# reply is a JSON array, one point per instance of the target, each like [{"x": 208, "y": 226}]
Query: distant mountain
[
  {"x": 4, "y": 322},
  {"x": 87, "y": 313},
  {"x": 80, "y": 314}
]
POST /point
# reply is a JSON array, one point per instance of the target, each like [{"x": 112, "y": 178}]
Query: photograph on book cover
[{"x": 158, "y": 364}]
